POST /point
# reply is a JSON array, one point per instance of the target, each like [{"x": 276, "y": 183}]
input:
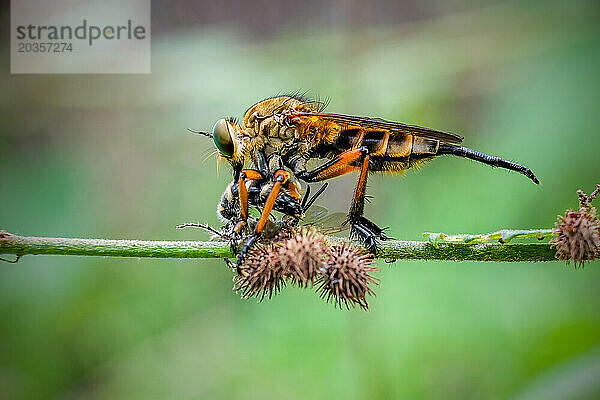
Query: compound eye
[{"x": 222, "y": 138}]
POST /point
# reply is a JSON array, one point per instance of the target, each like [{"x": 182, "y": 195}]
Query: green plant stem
[{"x": 393, "y": 249}]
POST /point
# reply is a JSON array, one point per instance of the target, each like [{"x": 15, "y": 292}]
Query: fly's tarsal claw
[
  {"x": 382, "y": 234},
  {"x": 362, "y": 232},
  {"x": 369, "y": 226}
]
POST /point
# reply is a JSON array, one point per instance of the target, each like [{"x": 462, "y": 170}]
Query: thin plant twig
[{"x": 389, "y": 250}]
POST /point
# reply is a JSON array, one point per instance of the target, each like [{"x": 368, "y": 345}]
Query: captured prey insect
[
  {"x": 271, "y": 147},
  {"x": 229, "y": 211},
  {"x": 240, "y": 232}
]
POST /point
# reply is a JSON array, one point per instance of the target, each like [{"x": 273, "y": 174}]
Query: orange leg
[
  {"x": 281, "y": 177},
  {"x": 358, "y": 205},
  {"x": 243, "y": 191},
  {"x": 362, "y": 227},
  {"x": 338, "y": 166}
]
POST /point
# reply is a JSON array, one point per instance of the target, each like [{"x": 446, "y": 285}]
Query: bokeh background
[{"x": 109, "y": 156}]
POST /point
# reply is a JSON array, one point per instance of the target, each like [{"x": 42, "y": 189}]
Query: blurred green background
[{"x": 109, "y": 156}]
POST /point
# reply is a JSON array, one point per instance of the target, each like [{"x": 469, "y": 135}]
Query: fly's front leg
[
  {"x": 280, "y": 178},
  {"x": 249, "y": 174}
]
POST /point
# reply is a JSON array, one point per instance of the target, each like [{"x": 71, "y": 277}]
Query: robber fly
[{"x": 279, "y": 135}]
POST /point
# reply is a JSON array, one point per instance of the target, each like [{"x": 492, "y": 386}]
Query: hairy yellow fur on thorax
[{"x": 262, "y": 127}]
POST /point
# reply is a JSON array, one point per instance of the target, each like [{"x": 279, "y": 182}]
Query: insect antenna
[
  {"x": 208, "y": 134},
  {"x": 494, "y": 161}
]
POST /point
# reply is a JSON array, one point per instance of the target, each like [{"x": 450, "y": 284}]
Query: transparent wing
[
  {"x": 314, "y": 213},
  {"x": 327, "y": 223}
]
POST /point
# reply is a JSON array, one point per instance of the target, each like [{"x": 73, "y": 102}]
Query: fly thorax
[
  {"x": 287, "y": 133},
  {"x": 270, "y": 128},
  {"x": 273, "y": 146},
  {"x": 249, "y": 132},
  {"x": 304, "y": 148}
]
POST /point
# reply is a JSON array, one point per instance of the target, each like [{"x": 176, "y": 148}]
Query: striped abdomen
[{"x": 389, "y": 151}]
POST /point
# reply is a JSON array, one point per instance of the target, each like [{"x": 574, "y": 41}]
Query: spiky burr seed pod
[
  {"x": 302, "y": 255},
  {"x": 345, "y": 278},
  {"x": 262, "y": 274},
  {"x": 578, "y": 232}
]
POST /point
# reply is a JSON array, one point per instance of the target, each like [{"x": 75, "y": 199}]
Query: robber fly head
[{"x": 225, "y": 134}]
